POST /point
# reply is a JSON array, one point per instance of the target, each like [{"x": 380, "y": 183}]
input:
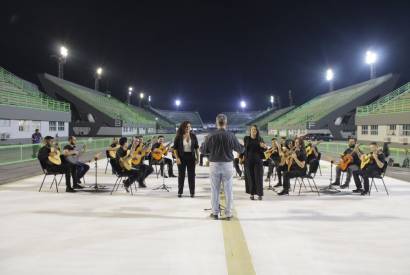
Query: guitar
[
  {"x": 140, "y": 153},
  {"x": 112, "y": 153},
  {"x": 365, "y": 160},
  {"x": 158, "y": 153},
  {"x": 310, "y": 149},
  {"x": 268, "y": 153},
  {"x": 125, "y": 162},
  {"x": 54, "y": 156},
  {"x": 347, "y": 159}
]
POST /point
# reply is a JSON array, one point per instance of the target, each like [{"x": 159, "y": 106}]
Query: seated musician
[
  {"x": 296, "y": 165},
  {"x": 312, "y": 158},
  {"x": 372, "y": 166},
  {"x": 273, "y": 159},
  {"x": 71, "y": 154},
  {"x": 145, "y": 170},
  {"x": 284, "y": 147},
  {"x": 122, "y": 155},
  {"x": 354, "y": 151},
  {"x": 165, "y": 160},
  {"x": 63, "y": 168},
  {"x": 236, "y": 164}
]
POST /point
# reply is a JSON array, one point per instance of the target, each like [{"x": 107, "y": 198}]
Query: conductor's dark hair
[{"x": 122, "y": 141}]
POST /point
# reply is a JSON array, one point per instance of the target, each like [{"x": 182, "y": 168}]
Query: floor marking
[{"x": 238, "y": 257}]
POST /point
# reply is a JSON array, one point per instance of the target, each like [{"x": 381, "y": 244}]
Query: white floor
[{"x": 154, "y": 232}]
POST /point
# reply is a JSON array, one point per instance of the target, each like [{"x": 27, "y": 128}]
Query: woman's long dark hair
[
  {"x": 257, "y": 132},
  {"x": 181, "y": 129}
]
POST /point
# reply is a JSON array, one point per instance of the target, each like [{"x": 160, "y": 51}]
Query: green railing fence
[
  {"x": 12, "y": 154},
  {"x": 34, "y": 102}
]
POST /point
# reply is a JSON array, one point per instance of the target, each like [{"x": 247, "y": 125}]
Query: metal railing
[
  {"x": 34, "y": 102},
  {"x": 18, "y": 82}
]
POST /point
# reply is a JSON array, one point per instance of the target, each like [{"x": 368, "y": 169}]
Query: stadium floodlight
[
  {"x": 63, "y": 52},
  {"x": 329, "y": 77},
  {"x": 156, "y": 118},
  {"x": 272, "y": 101},
  {"x": 149, "y": 98},
  {"x": 370, "y": 59},
  {"x": 97, "y": 77},
  {"x": 142, "y": 95},
  {"x": 177, "y": 103},
  {"x": 62, "y": 57},
  {"x": 243, "y": 105},
  {"x": 129, "y": 94}
]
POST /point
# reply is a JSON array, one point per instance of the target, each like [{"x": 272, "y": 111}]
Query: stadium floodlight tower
[
  {"x": 243, "y": 105},
  {"x": 272, "y": 101},
  {"x": 329, "y": 78},
  {"x": 62, "y": 58},
  {"x": 177, "y": 103},
  {"x": 370, "y": 59},
  {"x": 149, "y": 101},
  {"x": 141, "y": 98},
  {"x": 129, "y": 94},
  {"x": 98, "y": 74}
]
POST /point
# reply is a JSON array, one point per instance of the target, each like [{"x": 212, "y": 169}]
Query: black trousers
[
  {"x": 133, "y": 175},
  {"x": 270, "y": 164},
  {"x": 187, "y": 164},
  {"x": 313, "y": 166},
  {"x": 237, "y": 167},
  {"x": 64, "y": 168},
  {"x": 280, "y": 170},
  {"x": 287, "y": 175},
  {"x": 144, "y": 171},
  {"x": 167, "y": 162},
  {"x": 254, "y": 175},
  {"x": 365, "y": 174}
]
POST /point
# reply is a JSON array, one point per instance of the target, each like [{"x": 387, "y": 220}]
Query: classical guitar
[
  {"x": 158, "y": 153},
  {"x": 54, "y": 156},
  {"x": 125, "y": 162},
  {"x": 140, "y": 153}
]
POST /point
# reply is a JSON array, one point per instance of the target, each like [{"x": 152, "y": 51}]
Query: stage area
[{"x": 155, "y": 232}]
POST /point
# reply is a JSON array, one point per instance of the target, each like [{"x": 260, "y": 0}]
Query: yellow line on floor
[{"x": 237, "y": 254}]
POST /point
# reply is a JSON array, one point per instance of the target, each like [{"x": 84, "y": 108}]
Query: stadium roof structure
[
  {"x": 393, "y": 108},
  {"x": 179, "y": 116},
  {"x": 263, "y": 118},
  {"x": 335, "y": 110},
  {"x": 20, "y": 99},
  {"x": 109, "y": 106}
]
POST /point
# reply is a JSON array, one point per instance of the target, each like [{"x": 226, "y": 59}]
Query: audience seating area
[
  {"x": 240, "y": 119},
  {"x": 263, "y": 118},
  {"x": 397, "y": 101},
  {"x": 179, "y": 116},
  {"x": 322, "y": 105},
  {"x": 17, "y": 92}
]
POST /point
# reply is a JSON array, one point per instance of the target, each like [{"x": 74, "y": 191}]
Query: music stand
[
  {"x": 163, "y": 186},
  {"x": 95, "y": 186}
]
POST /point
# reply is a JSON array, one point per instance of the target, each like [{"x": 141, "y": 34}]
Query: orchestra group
[{"x": 284, "y": 158}]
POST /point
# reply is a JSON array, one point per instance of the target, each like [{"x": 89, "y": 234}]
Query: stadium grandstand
[
  {"x": 334, "y": 112},
  {"x": 263, "y": 118},
  {"x": 179, "y": 116},
  {"x": 237, "y": 120},
  {"x": 24, "y": 108},
  {"x": 97, "y": 114},
  {"x": 387, "y": 119}
]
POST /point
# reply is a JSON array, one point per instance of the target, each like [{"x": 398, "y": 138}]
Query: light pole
[
  {"x": 177, "y": 103},
  {"x": 141, "y": 98},
  {"x": 370, "y": 59},
  {"x": 98, "y": 74},
  {"x": 329, "y": 77},
  {"x": 62, "y": 58},
  {"x": 243, "y": 105},
  {"x": 129, "y": 95},
  {"x": 149, "y": 101},
  {"x": 272, "y": 101}
]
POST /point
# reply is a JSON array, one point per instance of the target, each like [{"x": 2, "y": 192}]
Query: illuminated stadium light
[
  {"x": 98, "y": 74},
  {"x": 243, "y": 104},
  {"x": 177, "y": 102},
  {"x": 99, "y": 71},
  {"x": 329, "y": 75},
  {"x": 142, "y": 95},
  {"x": 370, "y": 59},
  {"x": 149, "y": 98},
  {"x": 272, "y": 99},
  {"x": 130, "y": 90},
  {"x": 63, "y": 52}
]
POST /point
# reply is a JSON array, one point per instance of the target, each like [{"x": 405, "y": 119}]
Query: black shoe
[
  {"x": 77, "y": 186},
  {"x": 364, "y": 193},
  {"x": 165, "y": 176},
  {"x": 215, "y": 217},
  {"x": 228, "y": 218},
  {"x": 70, "y": 190},
  {"x": 359, "y": 190},
  {"x": 344, "y": 186},
  {"x": 283, "y": 192},
  {"x": 179, "y": 195},
  {"x": 267, "y": 179},
  {"x": 79, "y": 181},
  {"x": 278, "y": 185},
  {"x": 260, "y": 198},
  {"x": 142, "y": 185},
  {"x": 172, "y": 176},
  {"x": 252, "y": 197},
  {"x": 336, "y": 183},
  {"x": 192, "y": 195}
]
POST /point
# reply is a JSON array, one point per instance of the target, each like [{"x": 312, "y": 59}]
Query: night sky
[{"x": 210, "y": 54}]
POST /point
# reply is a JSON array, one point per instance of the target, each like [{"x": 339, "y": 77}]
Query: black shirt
[
  {"x": 253, "y": 150},
  {"x": 179, "y": 144},
  {"x": 301, "y": 156},
  {"x": 356, "y": 159},
  {"x": 43, "y": 154},
  {"x": 220, "y": 144},
  {"x": 373, "y": 165},
  {"x": 120, "y": 154}
]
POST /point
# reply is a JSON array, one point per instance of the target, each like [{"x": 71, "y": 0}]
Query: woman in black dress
[
  {"x": 254, "y": 148},
  {"x": 187, "y": 156}
]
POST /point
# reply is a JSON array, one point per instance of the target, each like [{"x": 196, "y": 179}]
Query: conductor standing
[{"x": 220, "y": 146}]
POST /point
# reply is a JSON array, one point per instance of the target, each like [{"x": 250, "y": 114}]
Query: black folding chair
[
  {"x": 54, "y": 174},
  {"x": 117, "y": 171},
  {"x": 108, "y": 161},
  {"x": 381, "y": 177},
  {"x": 300, "y": 181}
]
